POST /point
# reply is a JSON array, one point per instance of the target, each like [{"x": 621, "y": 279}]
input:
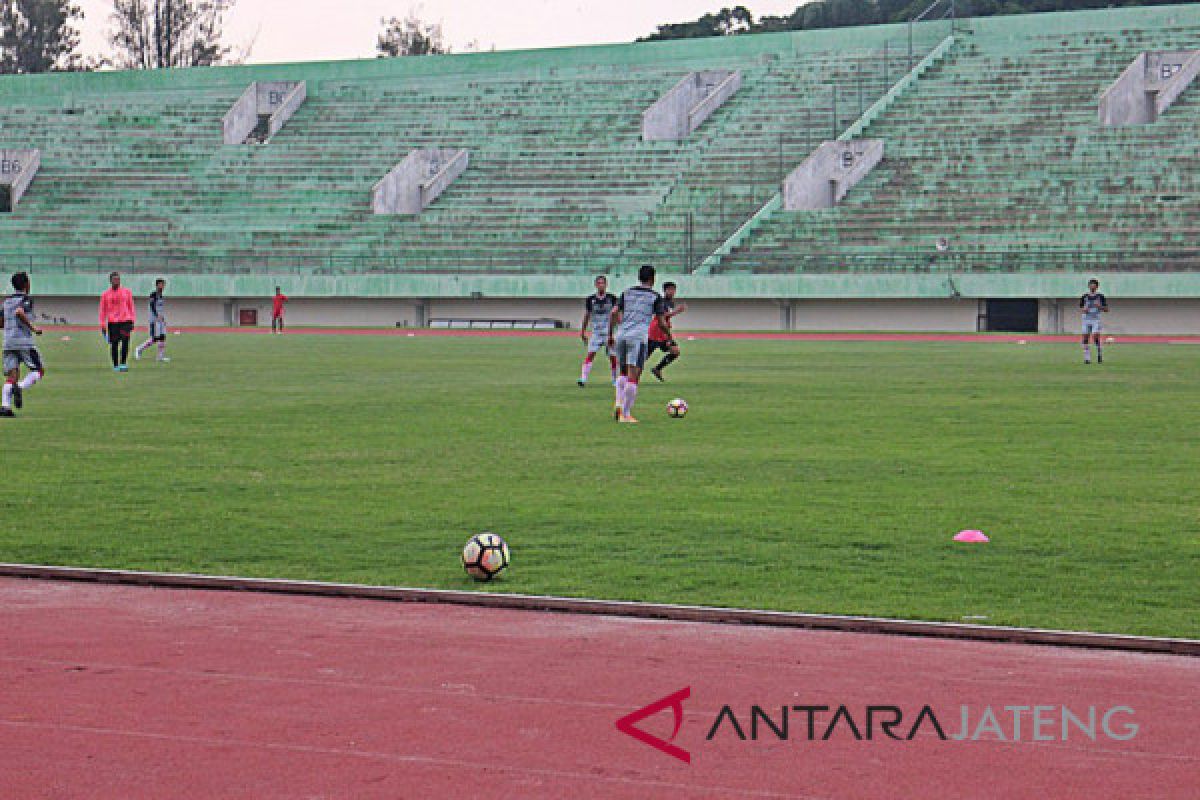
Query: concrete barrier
[
  {"x": 829, "y": 173},
  {"x": 615, "y": 608},
  {"x": 264, "y": 104},
  {"x": 241, "y": 120},
  {"x": 1180, "y": 80},
  {"x": 716, "y": 98},
  {"x": 17, "y": 170},
  {"x": 413, "y": 184},
  {"x": 288, "y": 106},
  {"x": 688, "y": 104},
  {"x": 1151, "y": 83}
]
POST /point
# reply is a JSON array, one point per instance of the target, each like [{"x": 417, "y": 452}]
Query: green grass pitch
[{"x": 823, "y": 477}]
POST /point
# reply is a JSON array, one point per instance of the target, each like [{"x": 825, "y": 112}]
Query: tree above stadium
[
  {"x": 155, "y": 34},
  {"x": 410, "y": 36},
  {"x": 850, "y": 13},
  {"x": 38, "y": 36}
]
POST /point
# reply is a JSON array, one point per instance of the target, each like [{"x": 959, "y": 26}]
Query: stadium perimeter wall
[{"x": 1056, "y": 315}]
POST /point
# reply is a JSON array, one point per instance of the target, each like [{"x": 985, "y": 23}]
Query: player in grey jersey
[
  {"x": 630, "y": 328},
  {"x": 597, "y": 310},
  {"x": 1092, "y": 305},
  {"x": 158, "y": 323},
  {"x": 19, "y": 347}
]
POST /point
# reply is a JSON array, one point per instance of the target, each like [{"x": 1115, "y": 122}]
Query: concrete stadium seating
[
  {"x": 998, "y": 152},
  {"x": 996, "y": 149}
]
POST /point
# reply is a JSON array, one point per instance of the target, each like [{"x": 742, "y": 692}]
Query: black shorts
[
  {"x": 29, "y": 356},
  {"x": 119, "y": 330},
  {"x": 665, "y": 345}
]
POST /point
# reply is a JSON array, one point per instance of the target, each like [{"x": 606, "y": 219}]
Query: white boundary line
[{"x": 616, "y": 608}]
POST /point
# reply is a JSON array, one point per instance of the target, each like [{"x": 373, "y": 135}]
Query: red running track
[
  {"x": 129, "y": 692},
  {"x": 994, "y": 338}
]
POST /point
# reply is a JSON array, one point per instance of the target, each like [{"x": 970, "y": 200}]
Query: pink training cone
[{"x": 970, "y": 536}]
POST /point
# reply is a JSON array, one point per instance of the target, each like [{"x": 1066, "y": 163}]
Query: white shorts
[
  {"x": 1092, "y": 326},
  {"x": 631, "y": 352},
  {"x": 598, "y": 341},
  {"x": 158, "y": 329}
]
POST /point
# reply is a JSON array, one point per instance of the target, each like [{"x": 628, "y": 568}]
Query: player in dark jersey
[
  {"x": 19, "y": 345},
  {"x": 597, "y": 310},
  {"x": 630, "y": 328},
  {"x": 1093, "y": 304},
  {"x": 664, "y": 338},
  {"x": 158, "y": 324}
]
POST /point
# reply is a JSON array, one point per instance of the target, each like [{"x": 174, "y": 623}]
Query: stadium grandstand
[{"x": 948, "y": 174}]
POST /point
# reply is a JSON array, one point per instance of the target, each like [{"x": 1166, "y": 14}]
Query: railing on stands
[
  {"x": 937, "y": 11},
  {"x": 1025, "y": 261},
  {"x": 705, "y": 214},
  {"x": 899, "y": 260}
]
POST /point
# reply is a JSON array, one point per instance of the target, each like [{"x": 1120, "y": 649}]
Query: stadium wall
[
  {"x": 1128, "y": 316},
  {"x": 1056, "y": 315}
]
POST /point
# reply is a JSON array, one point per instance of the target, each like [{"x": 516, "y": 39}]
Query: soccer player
[
  {"x": 19, "y": 347},
  {"x": 117, "y": 318},
  {"x": 277, "y": 303},
  {"x": 663, "y": 338},
  {"x": 630, "y": 327},
  {"x": 1093, "y": 305},
  {"x": 158, "y": 324},
  {"x": 597, "y": 309}
]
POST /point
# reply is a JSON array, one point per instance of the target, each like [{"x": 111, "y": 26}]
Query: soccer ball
[
  {"x": 677, "y": 408},
  {"x": 485, "y": 556}
]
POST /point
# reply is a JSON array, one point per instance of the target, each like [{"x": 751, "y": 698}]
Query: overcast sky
[{"x": 316, "y": 30}]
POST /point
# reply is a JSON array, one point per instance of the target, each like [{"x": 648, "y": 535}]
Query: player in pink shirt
[
  {"x": 277, "y": 304},
  {"x": 117, "y": 318}
]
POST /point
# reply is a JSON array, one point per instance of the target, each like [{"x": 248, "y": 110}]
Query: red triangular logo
[{"x": 674, "y": 701}]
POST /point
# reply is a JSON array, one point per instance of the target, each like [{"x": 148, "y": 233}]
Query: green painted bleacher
[
  {"x": 998, "y": 150},
  {"x": 781, "y": 116},
  {"x": 560, "y": 180}
]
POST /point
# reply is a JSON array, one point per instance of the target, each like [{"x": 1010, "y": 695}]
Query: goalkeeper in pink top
[{"x": 116, "y": 321}]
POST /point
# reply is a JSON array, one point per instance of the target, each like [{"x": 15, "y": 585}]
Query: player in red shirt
[
  {"x": 661, "y": 338},
  {"x": 117, "y": 318},
  {"x": 277, "y": 310}
]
